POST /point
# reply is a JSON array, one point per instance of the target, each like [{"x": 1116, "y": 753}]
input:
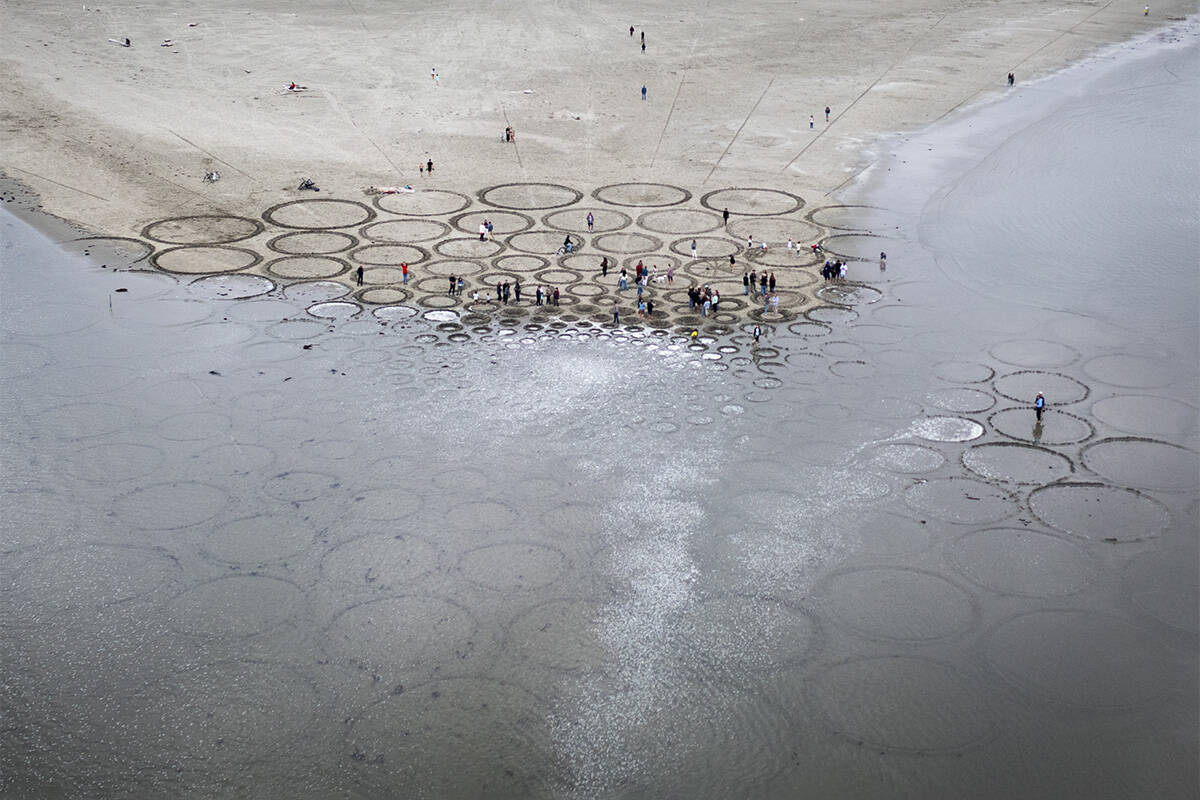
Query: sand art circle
[
  {"x": 391, "y": 635},
  {"x": 319, "y": 213},
  {"x": 906, "y": 458},
  {"x": 404, "y": 231},
  {"x": 1143, "y": 463},
  {"x": 269, "y": 538},
  {"x": 530, "y": 196},
  {"x": 852, "y": 294},
  {"x": 1022, "y": 387},
  {"x": 623, "y": 243},
  {"x": 97, "y": 575},
  {"x": 307, "y": 267},
  {"x": 202, "y": 229},
  {"x": 810, "y": 330},
  {"x": 295, "y": 330},
  {"x": 557, "y": 635},
  {"x": 423, "y": 202},
  {"x": 831, "y": 314},
  {"x": 557, "y": 275},
  {"x": 311, "y": 243},
  {"x": 204, "y": 259},
  {"x": 337, "y": 310},
  {"x": 513, "y": 566},
  {"x": 1022, "y": 562},
  {"x": 857, "y": 246},
  {"x": 452, "y": 266},
  {"x": 641, "y": 195},
  {"x": 193, "y": 426},
  {"x": 237, "y": 606},
  {"x": 541, "y": 242},
  {"x": 913, "y": 685},
  {"x": 1056, "y": 428},
  {"x": 1034, "y": 353},
  {"x": 300, "y": 486},
  {"x": 1147, "y": 414},
  {"x": 388, "y": 255},
  {"x": 962, "y": 400},
  {"x": 385, "y": 503},
  {"x": 1099, "y": 512},
  {"x": 776, "y": 231},
  {"x": 1162, "y": 584},
  {"x": 752, "y": 202},
  {"x": 468, "y": 247},
  {"x": 503, "y": 222},
  {"x": 1046, "y": 652},
  {"x": 946, "y": 429},
  {"x": 963, "y": 371},
  {"x": 678, "y": 221},
  {"x": 1131, "y": 372},
  {"x": 739, "y": 638},
  {"x": 1013, "y": 462},
  {"x": 961, "y": 500},
  {"x": 231, "y": 286},
  {"x": 706, "y": 247},
  {"x": 520, "y": 263},
  {"x": 901, "y": 605},
  {"x": 114, "y": 462},
  {"x": 853, "y": 217},
  {"x": 170, "y": 506},
  {"x": 119, "y": 252},
  {"x": 574, "y": 220}
]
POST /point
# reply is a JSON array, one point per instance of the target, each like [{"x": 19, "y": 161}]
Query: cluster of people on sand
[
  {"x": 509, "y": 134},
  {"x": 752, "y": 282},
  {"x": 485, "y": 230},
  {"x": 457, "y": 284},
  {"x": 705, "y": 298},
  {"x": 834, "y": 271}
]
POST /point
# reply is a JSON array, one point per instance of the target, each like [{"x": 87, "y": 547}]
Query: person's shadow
[{"x": 1037, "y": 431}]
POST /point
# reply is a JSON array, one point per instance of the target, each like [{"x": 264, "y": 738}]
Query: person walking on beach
[
  {"x": 616, "y": 309},
  {"x": 643, "y": 43},
  {"x": 487, "y": 223},
  {"x": 671, "y": 274},
  {"x": 1039, "y": 406},
  {"x": 812, "y": 123},
  {"x": 725, "y": 216},
  {"x": 359, "y": 274},
  {"x": 1011, "y": 79},
  {"x": 604, "y": 267},
  {"x": 429, "y": 166},
  {"x": 771, "y": 282},
  {"x": 591, "y": 221},
  {"x": 453, "y": 284},
  {"x": 517, "y": 289},
  {"x": 693, "y": 249},
  {"x": 827, "y": 113},
  {"x": 882, "y": 260},
  {"x": 404, "y": 270},
  {"x": 643, "y": 92},
  {"x": 630, "y": 31},
  {"x": 757, "y": 333}
]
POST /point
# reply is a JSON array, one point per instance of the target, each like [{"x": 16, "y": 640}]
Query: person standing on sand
[
  {"x": 649, "y": 308},
  {"x": 745, "y": 284},
  {"x": 762, "y": 283},
  {"x": 643, "y": 43},
  {"x": 453, "y": 283},
  {"x": 811, "y": 122},
  {"x": 1011, "y": 79},
  {"x": 725, "y": 216},
  {"x": 591, "y": 221},
  {"x": 630, "y": 31},
  {"x": 643, "y": 92},
  {"x": 757, "y": 333},
  {"x": 555, "y": 295},
  {"x": 429, "y": 166},
  {"x": 488, "y": 224},
  {"x": 359, "y": 274},
  {"x": 771, "y": 282},
  {"x": 1039, "y": 406},
  {"x": 615, "y": 309},
  {"x": 693, "y": 249},
  {"x": 671, "y": 274},
  {"x": 404, "y": 270},
  {"x": 753, "y": 280},
  {"x": 604, "y": 267},
  {"x": 827, "y": 113},
  {"x": 882, "y": 260}
]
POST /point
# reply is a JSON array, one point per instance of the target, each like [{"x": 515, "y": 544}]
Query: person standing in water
[{"x": 1039, "y": 406}]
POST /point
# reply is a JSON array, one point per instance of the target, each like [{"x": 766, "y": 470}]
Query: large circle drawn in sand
[
  {"x": 541, "y": 242},
  {"x": 380, "y": 562},
  {"x": 311, "y": 243},
  {"x": 604, "y": 220},
  {"x": 1099, "y": 512},
  {"x": 468, "y": 247},
  {"x": 388, "y": 255},
  {"x": 1022, "y": 562},
  {"x": 307, "y": 267},
  {"x": 1163, "y": 584},
  {"x": 423, "y": 202},
  {"x": 92, "y": 575},
  {"x": 558, "y": 634},
  {"x": 641, "y": 195},
  {"x": 170, "y": 506},
  {"x": 513, "y": 566},
  {"x": 1147, "y": 414},
  {"x": 1143, "y": 463},
  {"x": 384, "y": 296},
  {"x": 116, "y": 252},
  {"x": 338, "y": 309},
  {"x": 853, "y": 217},
  {"x": 1022, "y": 387},
  {"x": 230, "y": 287},
  {"x": 706, "y": 247},
  {"x": 1131, "y": 372},
  {"x": 1012, "y": 462},
  {"x": 961, "y": 500},
  {"x": 404, "y": 231},
  {"x": 412, "y": 742},
  {"x": 452, "y": 266},
  {"x": 204, "y": 259},
  {"x": 623, "y": 243},
  {"x": 238, "y": 606},
  {"x": 299, "y": 486},
  {"x": 530, "y": 196},
  {"x": 678, "y": 221},
  {"x": 852, "y": 294},
  {"x": 202, "y": 229},
  {"x": 946, "y": 429},
  {"x": 1056, "y": 428},
  {"x": 1035, "y": 353},
  {"x": 963, "y": 371},
  {"x": 112, "y": 462},
  {"x": 1080, "y": 658},
  {"x": 831, "y": 314},
  {"x": 898, "y": 604},
  {"x": 194, "y": 426},
  {"x": 908, "y": 722},
  {"x": 269, "y": 538},
  {"x": 520, "y": 263},
  {"x": 319, "y": 213},
  {"x": 752, "y": 202},
  {"x": 775, "y": 231},
  {"x": 503, "y": 222},
  {"x": 739, "y": 638}
]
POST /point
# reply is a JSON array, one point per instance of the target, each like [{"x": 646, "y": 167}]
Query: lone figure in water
[
  {"x": 1039, "y": 406},
  {"x": 1011, "y": 79}
]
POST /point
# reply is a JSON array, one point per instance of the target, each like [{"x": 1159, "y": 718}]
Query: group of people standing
[
  {"x": 834, "y": 271},
  {"x": 485, "y": 230}
]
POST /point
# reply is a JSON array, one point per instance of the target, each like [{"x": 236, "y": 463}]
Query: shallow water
[{"x": 253, "y": 546}]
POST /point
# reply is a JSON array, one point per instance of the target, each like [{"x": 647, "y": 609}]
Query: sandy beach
[{"x": 118, "y": 139}]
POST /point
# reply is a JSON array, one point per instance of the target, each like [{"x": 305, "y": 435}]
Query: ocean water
[{"x": 252, "y": 547}]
